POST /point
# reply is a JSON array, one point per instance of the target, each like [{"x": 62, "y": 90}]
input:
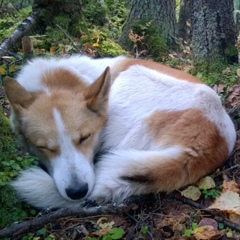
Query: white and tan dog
[{"x": 158, "y": 129}]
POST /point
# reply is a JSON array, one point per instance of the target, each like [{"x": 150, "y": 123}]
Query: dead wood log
[
  {"x": 23, "y": 29},
  {"x": 18, "y": 229}
]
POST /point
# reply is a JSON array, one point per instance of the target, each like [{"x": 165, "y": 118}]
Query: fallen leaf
[
  {"x": 208, "y": 222},
  {"x": 228, "y": 202},
  {"x": 206, "y": 183},
  {"x": 226, "y": 70},
  {"x": 238, "y": 72},
  {"x": 192, "y": 193},
  {"x": 207, "y": 232},
  {"x": 100, "y": 233},
  {"x": 230, "y": 186}
]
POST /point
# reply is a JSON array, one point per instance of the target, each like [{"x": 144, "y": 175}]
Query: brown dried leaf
[
  {"x": 230, "y": 186},
  {"x": 208, "y": 222},
  {"x": 100, "y": 233},
  {"x": 207, "y": 232},
  {"x": 226, "y": 70},
  {"x": 228, "y": 202}
]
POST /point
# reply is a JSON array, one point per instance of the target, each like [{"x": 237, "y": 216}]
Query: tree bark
[
  {"x": 161, "y": 12},
  {"x": 213, "y": 31},
  {"x": 65, "y": 13},
  {"x": 184, "y": 22}
]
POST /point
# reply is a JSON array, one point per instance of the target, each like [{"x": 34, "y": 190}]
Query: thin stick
[{"x": 78, "y": 49}]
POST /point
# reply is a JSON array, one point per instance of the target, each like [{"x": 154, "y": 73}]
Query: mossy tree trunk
[
  {"x": 65, "y": 13},
  {"x": 184, "y": 22},
  {"x": 160, "y": 12},
  {"x": 213, "y": 32}
]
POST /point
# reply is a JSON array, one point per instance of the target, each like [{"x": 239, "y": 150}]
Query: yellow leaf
[
  {"x": 13, "y": 68},
  {"x": 207, "y": 232},
  {"x": 53, "y": 49},
  {"x": 106, "y": 225},
  {"x": 192, "y": 193},
  {"x": 96, "y": 45},
  {"x": 3, "y": 71},
  {"x": 206, "y": 183}
]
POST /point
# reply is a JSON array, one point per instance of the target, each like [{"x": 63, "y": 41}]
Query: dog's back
[{"x": 165, "y": 130}]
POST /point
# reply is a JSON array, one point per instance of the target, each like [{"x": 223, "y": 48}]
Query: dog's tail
[
  {"x": 121, "y": 174},
  {"x": 37, "y": 188}
]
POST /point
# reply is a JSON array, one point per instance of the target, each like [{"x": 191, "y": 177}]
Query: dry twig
[{"x": 18, "y": 229}]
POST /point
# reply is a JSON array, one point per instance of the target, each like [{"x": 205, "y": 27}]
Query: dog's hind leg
[{"x": 121, "y": 174}]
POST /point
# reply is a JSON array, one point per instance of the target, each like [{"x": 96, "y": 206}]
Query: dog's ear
[
  {"x": 96, "y": 95},
  {"x": 17, "y": 95}
]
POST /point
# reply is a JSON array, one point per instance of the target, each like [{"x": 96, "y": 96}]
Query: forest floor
[{"x": 178, "y": 215}]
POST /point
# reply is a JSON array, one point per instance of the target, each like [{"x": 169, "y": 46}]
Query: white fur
[
  {"x": 109, "y": 184},
  {"x": 135, "y": 95},
  {"x": 71, "y": 162}
]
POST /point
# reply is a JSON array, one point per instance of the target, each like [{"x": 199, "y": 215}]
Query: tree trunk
[
  {"x": 62, "y": 12},
  {"x": 160, "y": 12},
  {"x": 213, "y": 31},
  {"x": 184, "y": 23}
]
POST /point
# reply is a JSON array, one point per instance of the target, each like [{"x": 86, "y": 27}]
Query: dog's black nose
[{"x": 77, "y": 192}]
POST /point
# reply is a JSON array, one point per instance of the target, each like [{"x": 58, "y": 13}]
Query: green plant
[
  {"x": 144, "y": 229},
  {"x": 114, "y": 233},
  {"x": 211, "y": 193},
  {"x": 189, "y": 232}
]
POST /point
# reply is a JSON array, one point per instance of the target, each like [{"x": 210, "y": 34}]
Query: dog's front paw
[{"x": 114, "y": 191}]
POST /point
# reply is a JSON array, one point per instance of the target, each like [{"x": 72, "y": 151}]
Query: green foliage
[
  {"x": 144, "y": 229},
  {"x": 114, "y": 234},
  {"x": 214, "y": 73},
  {"x": 189, "y": 232},
  {"x": 9, "y": 23},
  {"x": 10, "y": 165},
  {"x": 211, "y": 193},
  {"x": 110, "y": 12},
  {"x": 110, "y": 48}
]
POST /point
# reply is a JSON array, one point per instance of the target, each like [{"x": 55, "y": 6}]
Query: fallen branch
[
  {"x": 24, "y": 28},
  {"x": 21, "y": 228}
]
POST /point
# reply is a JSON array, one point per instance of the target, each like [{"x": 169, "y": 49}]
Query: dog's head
[{"x": 61, "y": 124}]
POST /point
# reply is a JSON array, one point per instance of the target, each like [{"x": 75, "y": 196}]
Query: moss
[
  {"x": 12, "y": 209},
  {"x": 112, "y": 49},
  {"x": 62, "y": 20},
  {"x": 7, "y": 145}
]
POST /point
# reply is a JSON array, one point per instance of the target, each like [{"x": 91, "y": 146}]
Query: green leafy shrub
[
  {"x": 110, "y": 48},
  {"x": 8, "y": 24}
]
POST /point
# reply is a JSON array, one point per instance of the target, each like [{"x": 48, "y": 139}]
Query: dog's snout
[{"x": 77, "y": 192}]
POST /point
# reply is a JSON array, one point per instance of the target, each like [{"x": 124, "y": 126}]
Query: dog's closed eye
[
  {"x": 45, "y": 148},
  {"x": 84, "y": 138}
]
